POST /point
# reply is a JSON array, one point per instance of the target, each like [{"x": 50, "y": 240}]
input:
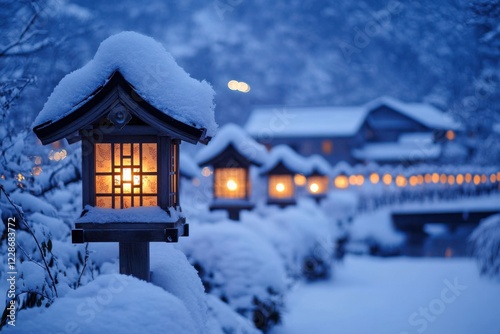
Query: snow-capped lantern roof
[
  {"x": 341, "y": 168},
  {"x": 283, "y": 159},
  {"x": 232, "y": 142},
  {"x": 130, "y": 71},
  {"x": 318, "y": 165}
]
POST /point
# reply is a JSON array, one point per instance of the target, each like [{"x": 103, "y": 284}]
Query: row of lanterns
[{"x": 285, "y": 170}]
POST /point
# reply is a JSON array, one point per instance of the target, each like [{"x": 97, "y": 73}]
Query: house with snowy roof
[{"x": 385, "y": 130}]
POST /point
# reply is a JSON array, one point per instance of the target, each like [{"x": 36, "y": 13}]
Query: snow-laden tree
[{"x": 485, "y": 246}]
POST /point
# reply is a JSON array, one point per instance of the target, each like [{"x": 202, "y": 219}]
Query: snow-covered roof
[
  {"x": 289, "y": 158},
  {"x": 232, "y": 134},
  {"x": 150, "y": 69},
  {"x": 336, "y": 121},
  {"x": 305, "y": 121},
  {"x": 421, "y": 112},
  {"x": 417, "y": 137},
  {"x": 398, "y": 151},
  {"x": 342, "y": 167},
  {"x": 318, "y": 164}
]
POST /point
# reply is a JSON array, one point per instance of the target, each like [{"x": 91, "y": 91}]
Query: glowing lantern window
[
  {"x": 450, "y": 135},
  {"x": 341, "y": 182},
  {"x": 387, "y": 179},
  {"x": 493, "y": 178},
  {"x": 317, "y": 184},
  {"x": 126, "y": 175},
  {"x": 230, "y": 182},
  {"x": 401, "y": 181},
  {"x": 280, "y": 186},
  {"x": 374, "y": 178},
  {"x": 460, "y": 179}
]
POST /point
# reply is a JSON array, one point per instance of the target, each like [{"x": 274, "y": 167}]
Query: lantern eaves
[{"x": 117, "y": 90}]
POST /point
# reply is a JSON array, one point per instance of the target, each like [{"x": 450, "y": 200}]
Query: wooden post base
[{"x": 134, "y": 259}]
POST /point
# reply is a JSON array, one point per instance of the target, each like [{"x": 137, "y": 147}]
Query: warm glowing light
[
  {"x": 435, "y": 178},
  {"x": 468, "y": 178},
  {"x": 460, "y": 179},
  {"x": 374, "y": 178},
  {"x": 477, "y": 179},
  {"x": 443, "y": 178},
  {"x": 231, "y": 185},
  {"x": 360, "y": 179},
  {"x": 37, "y": 170},
  {"x": 299, "y": 179},
  {"x": 353, "y": 180},
  {"x": 493, "y": 178},
  {"x": 420, "y": 179},
  {"x": 57, "y": 156},
  {"x": 428, "y": 178},
  {"x": 314, "y": 187},
  {"x": 413, "y": 180},
  {"x": 243, "y": 87},
  {"x": 450, "y": 135},
  {"x": 483, "y": 178},
  {"x": 401, "y": 181},
  {"x": 206, "y": 172},
  {"x": 341, "y": 182},
  {"x": 233, "y": 85},
  {"x": 38, "y": 160},
  {"x": 280, "y": 187},
  {"x": 127, "y": 174},
  {"x": 451, "y": 179},
  {"x": 239, "y": 86},
  {"x": 387, "y": 179},
  {"x": 20, "y": 177}
]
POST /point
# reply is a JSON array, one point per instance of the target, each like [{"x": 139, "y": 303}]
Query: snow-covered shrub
[
  {"x": 485, "y": 246},
  {"x": 240, "y": 268},
  {"x": 112, "y": 304},
  {"x": 300, "y": 235},
  {"x": 222, "y": 319}
]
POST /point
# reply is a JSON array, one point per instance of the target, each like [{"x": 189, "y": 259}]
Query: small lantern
[
  {"x": 317, "y": 181},
  {"x": 340, "y": 174},
  {"x": 281, "y": 166},
  {"x": 231, "y": 154},
  {"x": 130, "y": 134}
]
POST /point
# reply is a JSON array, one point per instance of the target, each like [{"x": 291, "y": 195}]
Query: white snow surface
[
  {"x": 244, "y": 264},
  {"x": 319, "y": 164},
  {"x": 291, "y": 159},
  {"x": 241, "y": 141},
  {"x": 141, "y": 214},
  {"x": 172, "y": 271},
  {"x": 395, "y": 295},
  {"x": 188, "y": 167},
  {"x": 148, "y": 67},
  {"x": 404, "y": 151},
  {"x": 110, "y": 304}
]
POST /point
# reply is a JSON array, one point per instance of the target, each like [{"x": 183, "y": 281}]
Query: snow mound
[
  {"x": 149, "y": 68},
  {"x": 232, "y": 134},
  {"x": 111, "y": 304},
  {"x": 485, "y": 241}
]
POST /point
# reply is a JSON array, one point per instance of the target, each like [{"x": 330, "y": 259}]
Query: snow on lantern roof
[
  {"x": 342, "y": 167},
  {"x": 291, "y": 160},
  {"x": 149, "y": 69},
  {"x": 336, "y": 121},
  {"x": 318, "y": 165},
  {"x": 232, "y": 135}
]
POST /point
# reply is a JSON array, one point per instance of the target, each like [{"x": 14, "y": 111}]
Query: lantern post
[{"x": 130, "y": 151}]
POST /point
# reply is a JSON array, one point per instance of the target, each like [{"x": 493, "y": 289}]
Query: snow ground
[{"x": 397, "y": 295}]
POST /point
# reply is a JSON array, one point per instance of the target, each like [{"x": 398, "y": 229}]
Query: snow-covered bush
[
  {"x": 112, "y": 304},
  {"x": 300, "y": 235},
  {"x": 240, "y": 268},
  {"x": 485, "y": 246}
]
